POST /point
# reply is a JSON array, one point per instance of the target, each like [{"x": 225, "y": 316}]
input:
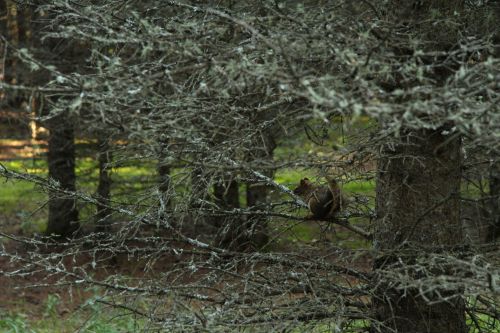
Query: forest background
[{"x": 150, "y": 150}]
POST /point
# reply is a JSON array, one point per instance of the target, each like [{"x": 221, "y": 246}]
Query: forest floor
[{"x": 40, "y": 296}]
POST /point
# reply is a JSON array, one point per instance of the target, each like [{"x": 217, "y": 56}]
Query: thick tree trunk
[
  {"x": 103, "y": 213},
  {"x": 63, "y": 213},
  {"x": 417, "y": 211},
  {"x": 417, "y": 205}
]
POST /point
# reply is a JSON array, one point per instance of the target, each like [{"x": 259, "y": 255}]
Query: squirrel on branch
[{"x": 323, "y": 200}]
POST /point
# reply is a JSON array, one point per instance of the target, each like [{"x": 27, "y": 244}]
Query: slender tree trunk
[
  {"x": 103, "y": 215},
  {"x": 226, "y": 193},
  {"x": 10, "y": 30},
  {"x": 13, "y": 38},
  {"x": 197, "y": 200},
  {"x": 417, "y": 210},
  {"x": 494, "y": 228},
  {"x": 199, "y": 187},
  {"x": 165, "y": 193},
  {"x": 3, "y": 45},
  {"x": 257, "y": 194},
  {"x": 232, "y": 231},
  {"x": 164, "y": 181},
  {"x": 63, "y": 213},
  {"x": 164, "y": 186}
]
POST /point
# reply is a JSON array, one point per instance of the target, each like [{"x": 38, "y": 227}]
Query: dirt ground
[{"x": 28, "y": 293}]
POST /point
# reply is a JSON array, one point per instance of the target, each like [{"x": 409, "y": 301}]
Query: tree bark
[
  {"x": 10, "y": 30},
  {"x": 164, "y": 183},
  {"x": 197, "y": 201},
  {"x": 494, "y": 228},
  {"x": 417, "y": 210},
  {"x": 13, "y": 37},
  {"x": 257, "y": 194},
  {"x": 417, "y": 197},
  {"x": 227, "y": 194},
  {"x": 103, "y": 214},
  {"x": 63, "y": 213},
  {"x": 232, "y": 233}
]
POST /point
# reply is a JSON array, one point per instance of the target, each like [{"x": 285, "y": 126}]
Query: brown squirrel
[{"x": 323, "y": 200}]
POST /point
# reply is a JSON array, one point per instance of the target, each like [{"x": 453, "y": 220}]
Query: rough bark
[
  {"x": 10, "y": 31},
  {"x": 103, "y": 213},
  {"x": 198, "y": 198},
  {"x": 232, "y": 231},
  {"x": 257, "y": 194},
  {"x": 417, "y": 205},
  {"x": 164, "y": 183},
  {"x": 13, "y": 38},
  {"x": 226, "y": 194},
  {"x": 494, "y": 229},
  {"x": 63, "y": 213},
  {"x": 417, "y": 210}
]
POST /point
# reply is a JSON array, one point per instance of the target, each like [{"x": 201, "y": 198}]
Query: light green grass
[
  {"x": 93, "y": 322},
  {"x": 24, "y": 204},
  {"x": 360, "y": 187},
  {"x": 332, "y": 326},
  {"x": 21, "y": 202},
  {"x": 131, "y": 184},
  {"x": 486, "y": 324}
]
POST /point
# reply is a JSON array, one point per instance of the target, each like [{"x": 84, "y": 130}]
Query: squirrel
[{"x": 323, "y": 200}]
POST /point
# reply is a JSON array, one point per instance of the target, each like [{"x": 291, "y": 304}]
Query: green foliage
[
  {"x": 18, "y": 196},
  {"x": 360, "y": 187},
  {"x": 92, "y": 318},
  {"x": 16, "y": 323},
  {"x": 483, "y": 323},
  {"x": 23, "y": 201},
  {"x": 289, "y": 177},
  {"x": 333, "y": 326},
  {"x": 51, "y": 304}
]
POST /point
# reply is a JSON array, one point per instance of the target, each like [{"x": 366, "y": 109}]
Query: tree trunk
[
  {"x": 417, "y": 198},
  {"x": 165, "y": 193},
  {"x": 232, "y": 231},
  {"x": 63, "y": 214},
  {"x": 10, "y": 30},
  {"x": 198, "y": 201},
  {"x": 227, "y": 194},
  {"x": 257, "y": 194},
  {"x": 494, "y": 228},
  {"x": 199, "y": 188},
  {"x": 103, "y": 214},
  {"x": 164, "y": 186},
  {"x": 13, "y": 38},
  {"x": 417, "y": 210}
]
